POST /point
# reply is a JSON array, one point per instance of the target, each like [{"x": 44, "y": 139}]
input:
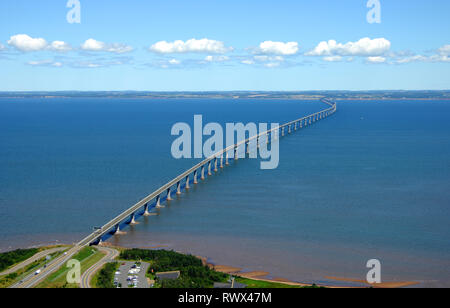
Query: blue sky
[{"x": 174, "y": 45}]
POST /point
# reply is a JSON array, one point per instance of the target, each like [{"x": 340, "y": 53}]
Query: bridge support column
[
  {"x": 178, "y": 188},
  {"x": 99, "y": 241},
  {"x": 247, "y": 148},
  {"x": 209, "y": 168},
  {"x": 133, "y": 219},
  {"x": 221, "y": 161},
  {"x": 236, "y": 153},
  {"x": 282, "y": 132},
  {"x": 187, "y": 183},
  {"x": 215, "y": 165},
  {"x": 169, "y": 195},
  {"x": 146, "y": 211},
  {"x": 158, "y": 202},
  {"x": 202, "y": 177},
  {"x": 117, "y": 229},
  {"x": 195, "y": 177},
  {"x": 289, "y": 129},
  {"x": 226, "y": 159}
]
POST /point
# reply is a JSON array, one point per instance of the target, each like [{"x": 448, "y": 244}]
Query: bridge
[
  {"x": 191, "y": 176},
  {"x": 177, "y": 185}
]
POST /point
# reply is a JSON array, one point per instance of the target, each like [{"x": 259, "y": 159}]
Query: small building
[{"x": 168, "y": 275}]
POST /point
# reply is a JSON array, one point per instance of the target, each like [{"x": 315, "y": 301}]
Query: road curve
[
  {"x": 37, "y": 256},
  {"x": 87, "y": 276}
]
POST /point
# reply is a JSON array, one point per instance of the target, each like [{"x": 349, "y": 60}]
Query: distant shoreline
[{"x": 233, "y": 95}]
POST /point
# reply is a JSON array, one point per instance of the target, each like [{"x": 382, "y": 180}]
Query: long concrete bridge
[
  {"x": 198, "y": 172},
  {"x": 177, "y": 185}
]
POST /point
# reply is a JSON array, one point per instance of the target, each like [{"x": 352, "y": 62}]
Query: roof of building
[{"x": 168, "y": 275}]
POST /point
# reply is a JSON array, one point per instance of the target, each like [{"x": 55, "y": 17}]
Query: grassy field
[
  {"x": 257, "y": 284},
  {"x": 87, "y": 257},
  {"x": 8, "y": 280},
  {"x": 105, "y": 276}
]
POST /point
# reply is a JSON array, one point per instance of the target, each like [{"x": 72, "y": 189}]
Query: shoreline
[{"x": 264, "y": 276}]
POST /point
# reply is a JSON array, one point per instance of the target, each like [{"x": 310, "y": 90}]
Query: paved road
[
  {"x": 87, "y": 276},
  {"x": 36, "y": 257},
  {"x": 32, "y": 280}
]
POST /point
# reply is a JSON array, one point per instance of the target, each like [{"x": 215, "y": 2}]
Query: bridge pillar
[
  {"x": 99, "y": 241},
  {"x": 179, "y": 188},
  {"x": 187, "y": 183},
  {"x": 215, "y": 164},
  {"x": 117, "y": 229},
  {"x": 289, "y": 129},
  {"x": 221, "y": 161},
  {"x": 247, "y": 148},
  {"x": 209, "y": 168},
  {"x": 169, "y": 195},
  {"x": 235, "y": 153},
  {"x": 226, "y": 159},
  {"x": 282, "y": 131},
  {"x": 133, "y": 219},
  {"x": 146, "y": 211},
  {"x": 158, "y": 202},
  {"x": 202, "y": 176},
  {"x": 195, "y": 177}
]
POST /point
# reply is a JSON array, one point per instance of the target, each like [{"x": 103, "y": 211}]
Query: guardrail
[{"x": 130, "y": 213}]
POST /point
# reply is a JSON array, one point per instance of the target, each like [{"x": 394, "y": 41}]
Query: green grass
[
  {"x": 11, "y": 258},
  {"x": 88, "y": 256},
  {"x": 104, "y": 278},
  {"x": 8, "y": 280}
]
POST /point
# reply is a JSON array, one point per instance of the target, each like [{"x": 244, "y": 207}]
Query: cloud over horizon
[
  {"x": 190, "y": 46},
  {"x": 98, "y": 46},
  {"x": 277, "y": 48},
  {"x": 365, "y": 47},
  {"x": 26, "y": 43}
]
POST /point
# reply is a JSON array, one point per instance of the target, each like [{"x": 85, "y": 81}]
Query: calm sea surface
[{"x": 373, "y": 181}]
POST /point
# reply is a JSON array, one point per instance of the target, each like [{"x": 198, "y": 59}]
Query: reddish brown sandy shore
[
  {"x": 392, "y": 284},
  {"x": 262, "y": 276}
]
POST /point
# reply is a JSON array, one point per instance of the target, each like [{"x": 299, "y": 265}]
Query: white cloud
[
  {"x": 272, "y": 64},
  {"x": 278, "y": 48},
  {"x": 444, "y": 50},
  {"x": 174, "y": 61},
  {"x": 45, "y": 63},
  {"x": 216, "y": 58},
  {"x": 248, "y": 62},
  {"x": 268, "y": 58},
  {"x": 333, "y": 59},
  {"x": 364, "y": 47},
  {"x": 94, "y": 45},
  {"x": 376, "y": 59},
  {"x": 59, "y": 46},
  {"x": 2, "y": 47},
  {"x": 24, "y": 42},
  {"x": 192, "y": 45}
]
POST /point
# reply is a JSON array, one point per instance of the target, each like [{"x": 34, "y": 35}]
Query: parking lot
[{"x": 132, "y": 275}]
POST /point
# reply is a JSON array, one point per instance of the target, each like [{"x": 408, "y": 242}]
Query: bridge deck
[{"x": 107, "y": 228}]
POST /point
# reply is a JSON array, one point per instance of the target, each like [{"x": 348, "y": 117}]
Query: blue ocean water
[{"x": 370, "y": 182}]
